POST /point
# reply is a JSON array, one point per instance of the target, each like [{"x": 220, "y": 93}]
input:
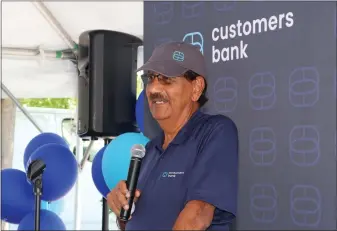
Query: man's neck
[{"x": 172, "y": 126}]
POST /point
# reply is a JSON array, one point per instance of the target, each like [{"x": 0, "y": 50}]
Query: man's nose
[{"x": 154, "y": 86}]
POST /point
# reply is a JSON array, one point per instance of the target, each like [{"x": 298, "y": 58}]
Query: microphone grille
[{"x": 138, "y": 151}]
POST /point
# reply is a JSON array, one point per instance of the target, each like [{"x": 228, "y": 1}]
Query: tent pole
[
  {"x": 24, "y": 111},
  {"x": 26, "y": 52},
  {"x": 86, "y": 155},
  {"x": 77, "y": 204},
  {"x": 45, "y": 12}
]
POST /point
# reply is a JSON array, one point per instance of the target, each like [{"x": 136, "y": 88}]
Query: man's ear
[{"x": 198, "y": 88}]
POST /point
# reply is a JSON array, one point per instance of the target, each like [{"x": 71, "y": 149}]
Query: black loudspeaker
[{"x": 107, "y": 61}]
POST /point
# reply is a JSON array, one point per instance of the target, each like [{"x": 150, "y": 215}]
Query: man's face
[{"x": 168, "y": 97}]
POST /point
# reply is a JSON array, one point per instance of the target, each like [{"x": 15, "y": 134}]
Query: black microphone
[{"x": 137, "y": 154}]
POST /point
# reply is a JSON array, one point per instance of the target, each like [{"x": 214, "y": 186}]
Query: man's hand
[
  {"x": 118, "y": 198},
  {"x": 197, "y": 215}
]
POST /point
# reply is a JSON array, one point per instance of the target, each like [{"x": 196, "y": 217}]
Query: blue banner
[{"x": 272, "y": 69}]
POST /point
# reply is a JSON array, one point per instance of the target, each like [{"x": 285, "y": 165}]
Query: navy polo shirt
[{"x": 201, "y": 163}]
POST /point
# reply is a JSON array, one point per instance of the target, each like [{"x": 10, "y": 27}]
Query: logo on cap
[{"x": 178, "y": 56}]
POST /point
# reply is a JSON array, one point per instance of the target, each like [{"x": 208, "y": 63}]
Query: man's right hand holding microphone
[
  {"x": 118, "y": 199},
  {"x": 125, "y": 194}
]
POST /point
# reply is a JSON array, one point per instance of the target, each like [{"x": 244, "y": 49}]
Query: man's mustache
[{"x": 157, "y": 97}]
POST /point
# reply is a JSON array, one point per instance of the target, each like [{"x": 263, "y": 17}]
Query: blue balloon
[
  {"x": 140, "y": 111},
  {"x": 48, "y": 221},
  {"x": 38, "y": 141},
  {"x": 117, "y": 156},
  {"x": 17, "y": 197},
  {"x": 61, "y": 170},
  {"x": 97, "y": 175}
]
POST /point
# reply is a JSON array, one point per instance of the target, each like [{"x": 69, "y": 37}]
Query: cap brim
[{"x": 167, "y": 68}]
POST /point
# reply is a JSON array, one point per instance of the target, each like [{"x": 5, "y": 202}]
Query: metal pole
[
  {"x": 86, "y": 155},
  {"x": 79, "y": 154},
  {"x": 25, "y": 52},
  {"x": 77, "y": 204},
  {"x": 105, "y": 207},
  {"x": 55, "y": 24},
  {"x": 24, "y": 111}
]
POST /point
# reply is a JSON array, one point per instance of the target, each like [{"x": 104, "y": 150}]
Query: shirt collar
[{"x": 182, "y": 135}]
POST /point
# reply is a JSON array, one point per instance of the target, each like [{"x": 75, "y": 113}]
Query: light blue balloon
[
  {"x": 117, "y": 156},
  {"x": 56, "y": 206},
  {"x": 44, "y": 205}
]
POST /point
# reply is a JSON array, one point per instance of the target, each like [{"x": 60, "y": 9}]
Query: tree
[
  {"x": 62, "y": 103},
  {"x": 140, "y": 85}
]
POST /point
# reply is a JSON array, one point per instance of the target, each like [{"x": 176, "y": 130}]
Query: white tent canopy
[{"x": 23, "y": 26}]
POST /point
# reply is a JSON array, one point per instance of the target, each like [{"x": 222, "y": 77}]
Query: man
[{"x": 189, "y": 175}]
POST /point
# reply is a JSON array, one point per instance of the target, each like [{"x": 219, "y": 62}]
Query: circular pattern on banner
[
  {"x": 60, "y": 173},
  {"x": 140, "y": 111},
  {"x": 17, "y": 197},
  {"x": 117, "y": 156},
  {"x": 38, "y": 141}
]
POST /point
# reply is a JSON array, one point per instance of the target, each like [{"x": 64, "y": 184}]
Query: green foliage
[
  {"x": 63, "y": 103},
  {"x": 139, "y": 85}
]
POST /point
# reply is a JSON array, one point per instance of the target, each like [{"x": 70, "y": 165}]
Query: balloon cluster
[
  {"x": 111, "y": 163},
  {"x": 59, "y": 176}
]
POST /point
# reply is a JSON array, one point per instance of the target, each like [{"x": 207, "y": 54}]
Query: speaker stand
[
  {"x": 34, "y": 174},
  {"x": 105, "y": 207}
]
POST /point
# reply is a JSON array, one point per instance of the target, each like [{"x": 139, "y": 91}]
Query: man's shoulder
[
  {"x": 216, "y": 123},
  {"x": 217, "y": 133}
]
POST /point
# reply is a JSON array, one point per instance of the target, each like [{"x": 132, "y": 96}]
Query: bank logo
[
  {"x": 178, "y": 56},
  {"x": 171, "y": 174},
  {"x": 305, "y": 205},
  {"x": 224, "y": 6},
  {"x": 196, "y": 39},
  {"x": 263, "y": 203},
  {"x": 163, "y": 12},
  {"x": 304, "y": 87},
  {"x": 262, "y": 146},
  {"x": 262, "y": 93},
  {"x": 192, "y": 9},
  {"x": 225, "y": 94},
  {"x": 304, "y": 145}
]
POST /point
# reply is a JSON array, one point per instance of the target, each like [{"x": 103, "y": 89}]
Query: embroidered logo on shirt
[{"x": 171, "y": 174}]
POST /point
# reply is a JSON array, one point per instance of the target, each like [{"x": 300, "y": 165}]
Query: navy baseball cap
[{"x": 174, "y": 59}]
